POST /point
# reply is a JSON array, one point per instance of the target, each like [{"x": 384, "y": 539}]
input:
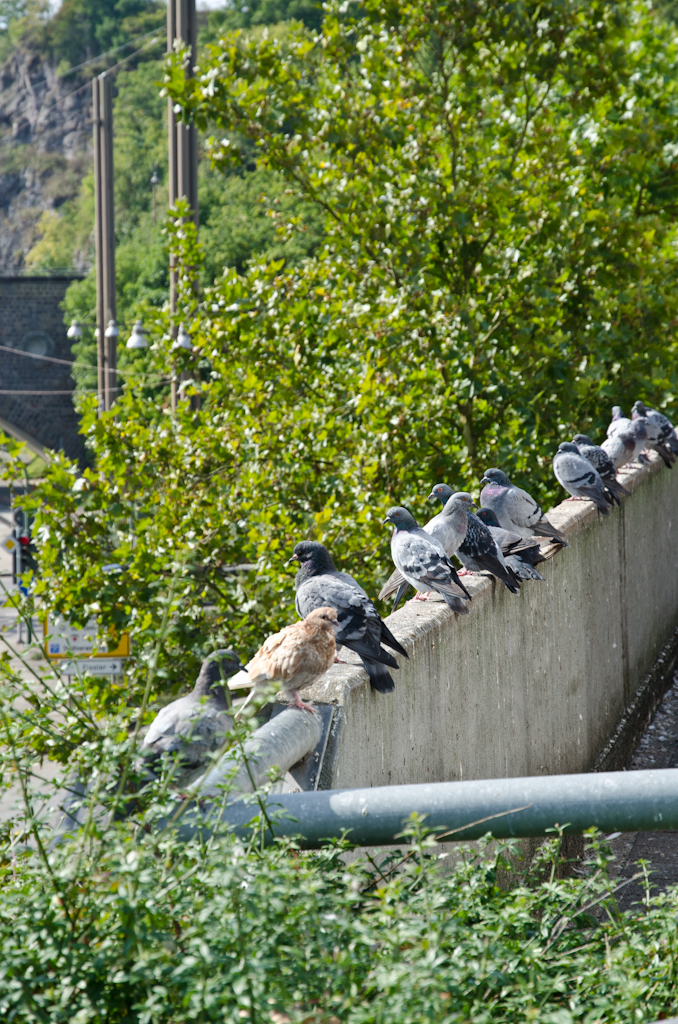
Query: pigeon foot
[
  {"x": 299, "y": 703},
  {"x": 464, "y": 572},
  {"x": 419, "y": 597},
  {"x": 339, "y": 661}
]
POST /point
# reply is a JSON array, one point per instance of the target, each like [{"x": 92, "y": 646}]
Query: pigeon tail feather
[
  {"x": 388, "y": 638},
  {"x": 368, "y": 652},
  {"x": 455, "y": 604},
  {"x": 240, "y": 681},
  {"x": 380, "y": 677},
  {"x": 402, "y": 590}
]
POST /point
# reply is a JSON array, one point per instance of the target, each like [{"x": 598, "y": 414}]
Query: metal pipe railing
[{"x": 610, "y": 801}]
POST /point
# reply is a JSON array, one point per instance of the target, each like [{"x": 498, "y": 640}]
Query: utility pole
[
  {"x": 104, "y": 230},
  {"x": 183, "y": 139}
]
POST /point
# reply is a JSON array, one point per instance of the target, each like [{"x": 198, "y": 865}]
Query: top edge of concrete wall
[
  {"x": 411, "y": 623},
  {"x": 527, "y": 684}
]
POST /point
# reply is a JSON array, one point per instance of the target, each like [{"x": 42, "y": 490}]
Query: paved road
[{"x": 657, "y": 749}]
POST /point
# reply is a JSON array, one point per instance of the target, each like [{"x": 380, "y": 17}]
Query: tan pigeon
[{"x": 297, "y": 656}]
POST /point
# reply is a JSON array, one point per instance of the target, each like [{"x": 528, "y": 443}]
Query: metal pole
[
  {"x": 610, "y": 801},
  {"x": 108, "y": 234},
  {"x": 183, "y": 139},
  {"x": 98, "y": 241}
]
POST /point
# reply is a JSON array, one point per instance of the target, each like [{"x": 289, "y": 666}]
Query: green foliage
[
  {"x": 499, "y": 185},
  {"x": 122, "y": 921}
]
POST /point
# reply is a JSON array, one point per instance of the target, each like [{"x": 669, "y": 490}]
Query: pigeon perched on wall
[
  {"x": 621, "y": 448},
  {"x": 661, "y": 436},
  {"x": 514, "y": 508},
  {"x": 478, "y": 552},
  {"x": 194, "y": 726},
  {"x": 601, "y": 461},
  {"x": 297, "y": 656},
  {"x": 449, "y": 528},
  {"x": 579, "y": 477},
  {"x": 519, "y": 554},
  {"x": 667, "y": 433},
  {"x": 422, "y": 560},
  {"x": 619, "y": 424},
  {"x": 361, "y": 628}
]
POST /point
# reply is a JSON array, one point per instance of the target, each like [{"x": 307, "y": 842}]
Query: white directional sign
[{"x": 93, "y": 667}]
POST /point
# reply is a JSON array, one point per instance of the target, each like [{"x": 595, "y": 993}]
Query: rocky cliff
[{"x": 45, "y": 148}]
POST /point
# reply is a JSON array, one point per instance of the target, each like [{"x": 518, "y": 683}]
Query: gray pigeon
[
  {"x": 478, "y": 552},
  {"x": 519, "y": 554},
  {"x": 515, "y": 509},
  {"x": 361, "y": 629},
  {"x": 421, "y": 558},
  {"x": 620, "y": 447},
  {"x": 601, "y": 461},
  {"x": 449, "y": 528},
  {"x": 579, "y": 478},
  {"x": 619, "y": 424},
  {"x": 661, "y": 435},
  {"x": 194, "y": 726}
]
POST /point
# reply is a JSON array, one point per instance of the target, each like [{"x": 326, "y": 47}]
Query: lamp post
[
  {"x": 182, "y": 139},
  {"x": 104, "y": 232}
]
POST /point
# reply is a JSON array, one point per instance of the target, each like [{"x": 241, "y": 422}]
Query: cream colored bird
[{"x": 297, "y": 656}]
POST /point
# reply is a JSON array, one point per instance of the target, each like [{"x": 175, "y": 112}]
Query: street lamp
[
  {"x": 183, "y": 339},
  {"x": 137, "y": 338},
  {"x": 74, "y": 331}
]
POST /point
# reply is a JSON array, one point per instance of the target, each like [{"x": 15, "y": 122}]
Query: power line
[{"x": 68, "y": 362}]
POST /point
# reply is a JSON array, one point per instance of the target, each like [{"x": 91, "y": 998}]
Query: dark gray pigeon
[
  {"x": 579, "y": 478},
  {"x": 661, "y": 435},
  {"x": 621, "y": 448},
  {"x": 449, "y": 528},
  {"x": 361, "y": 628},
  {"x": 194, "y": 726},
  {"x": 422, "y": 560},
  {"x": 601, "y": 461},
  {"x": 519, "y": 554},
  {"x": 515, "y": 509},
  {"x": 478, "y": 552}
]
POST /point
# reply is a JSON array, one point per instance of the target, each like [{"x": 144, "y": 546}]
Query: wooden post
[
  {"x": 182, "y": 139},
  {"x": 104, "y": 233},
  {"x": 98, "y": 241}
]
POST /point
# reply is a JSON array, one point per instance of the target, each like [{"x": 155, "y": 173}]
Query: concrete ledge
[{"x": 558, "y": 679}]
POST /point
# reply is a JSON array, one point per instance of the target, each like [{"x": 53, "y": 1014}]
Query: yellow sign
[{"x": 64, "y": 641}]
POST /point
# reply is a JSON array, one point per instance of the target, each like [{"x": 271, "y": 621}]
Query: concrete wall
[
  {"x": 31, "y": 320},
  {"x": 538, "y": 683}
]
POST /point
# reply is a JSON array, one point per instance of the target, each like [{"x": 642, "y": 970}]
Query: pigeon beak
[
  {"x": 484, "y": 480},
  {"x": 292, "y": 558},
  {"x": 431, "y": 496},
  {"x": 387, "y": 521}
]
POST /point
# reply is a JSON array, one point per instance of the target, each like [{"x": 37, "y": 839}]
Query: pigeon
[
  {"x": 579, "y": 477},
  {"x": 620, "y": 447},
  {"x": 601, "y": 461},
  {"x": 619, "y": 424},
  {"x": 515, "y": 509},
  {"x": 297, "y": 656},
  {"x": 421, "y": 558},
  {"x": 361, "y": 628},
  {"x": 667, "y": 434},
  {"x": 194, "y": 726},
  {"x": 479, "y": 552},
  {"x": 519, "y": 554},
  {"x": 449, "y": 528},
  {"x": 661, "y": 435}
]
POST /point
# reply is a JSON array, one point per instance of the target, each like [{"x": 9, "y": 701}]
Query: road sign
[
  {"x": 92, "y": 666},
  {"x": 63, "y": 641},
  {"x": 10, "y": 543}
]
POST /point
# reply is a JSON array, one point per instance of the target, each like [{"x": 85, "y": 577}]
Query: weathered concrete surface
[{"x": 525, "y": 685}]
